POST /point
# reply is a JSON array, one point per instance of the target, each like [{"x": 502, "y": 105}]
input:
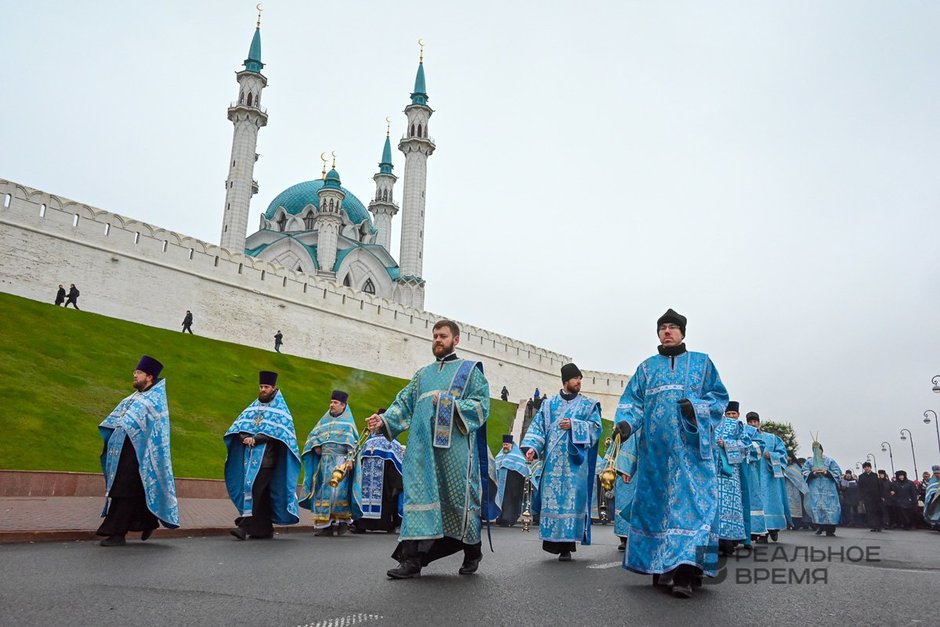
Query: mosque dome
[{"x": 296, "y": 197}]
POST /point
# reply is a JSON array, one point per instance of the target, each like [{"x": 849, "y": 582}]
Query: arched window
[
  {"x": 347, "y": 282},
  {"x": 385, "y": 195},
  {"x": 412, "y": 130},
  {"x": 368, "y": 287},
  {"x": 425, "y": 131},
  {"x": 241, "y": 97},
  {"x": 419, "y": 131},
  {"x": 331, "y": 203},
  {"x": 282, "y": 223},
  {"x": 249, "y": 99},
  {"x": 308, "y": 221}
]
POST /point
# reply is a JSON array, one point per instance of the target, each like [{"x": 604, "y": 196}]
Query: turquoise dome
[{"x": 298, "y": 196}]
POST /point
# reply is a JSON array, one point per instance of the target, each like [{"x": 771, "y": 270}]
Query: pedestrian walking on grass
[
  {"x": 188, "y": 322},
  {"x": 278, "y": 340},
  {"x": 60, "y": 296},
  {"x": 72, "y": 296}
]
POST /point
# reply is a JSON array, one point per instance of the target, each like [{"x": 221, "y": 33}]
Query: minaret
[
  {"x": 329, "y": 220},
  {"x": 417, "y": 147},
  {"x": 247, "y": 116},
  {"x": 383, "y": 207}
]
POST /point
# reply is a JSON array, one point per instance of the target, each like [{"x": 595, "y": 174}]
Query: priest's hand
[
  {"x": 624, "y": 429},
  {"x": 721, "y": 443},
  {"x": 767, "y": 455},
  {"x": 626, "y": 478},
  {"x": 249, "y": 441},
  {"x": 374, "y": 423},
  {"x": 565, "y": 424},
  {"x": 530, "y": 455},
  {"x": 316, "y": 450}
]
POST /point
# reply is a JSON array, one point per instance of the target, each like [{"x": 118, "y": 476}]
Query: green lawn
[{"x": 62, "y": 371}]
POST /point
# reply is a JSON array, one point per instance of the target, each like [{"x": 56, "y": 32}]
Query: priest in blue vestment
[
  {"x": 564, "y": 435},
  {"x": 445, "y": 407},
  {"x": 932, "y": 499},
  {"x": 512, "y": 470},
  {"x": 377, "y": 484},
  {"x": 751, "y": 492},
  {"x": 822, "y": 475},
  {"x": 796, "y": 490},
  {"x": 678, "y": 399},
  {"x": 138, "y": 472},
  {"x": 771, "y": 465},
  {"x": 263, "y": 464},
  {"x": 732, "y": 444},
  {"x": 330, "y": 446}
]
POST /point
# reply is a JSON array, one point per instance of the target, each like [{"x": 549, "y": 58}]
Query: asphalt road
[{"x": 299, "y": 579}]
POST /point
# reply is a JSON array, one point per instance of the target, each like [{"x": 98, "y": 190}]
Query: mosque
[{"x": 320, "y": 227}]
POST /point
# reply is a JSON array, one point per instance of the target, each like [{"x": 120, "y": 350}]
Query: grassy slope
[{"x": 62, "y": 371}]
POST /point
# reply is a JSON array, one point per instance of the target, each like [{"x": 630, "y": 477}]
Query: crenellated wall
[{"x": 135, "y": 271}]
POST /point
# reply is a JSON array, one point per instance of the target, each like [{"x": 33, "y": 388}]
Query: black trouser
[
  {"x": 128, "y": 509},
  {"x": 73, "y": 301},
  {"x": 559, "y": 547},
  {"x": 259, "y": 525},
  {"x": 875, "y": 513},
  {"x": 426, "y": 551},
  {"x": 186, "y": 328}
]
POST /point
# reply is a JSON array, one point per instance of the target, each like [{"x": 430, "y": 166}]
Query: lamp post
[
  {"x": 936, "y": 423},
  {"x": 890, "y": 454},
  {"x": 914, "y": 457},
  {"x": 874, "y": 462},
  {"x": 858, "y": 465},
  {"x": 936, "y": 385}
]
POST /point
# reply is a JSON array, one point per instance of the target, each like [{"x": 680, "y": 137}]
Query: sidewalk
[{"x": 64, "y": 518}]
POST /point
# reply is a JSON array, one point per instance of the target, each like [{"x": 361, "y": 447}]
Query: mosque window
[
  {"x": 419, "y": 130},
  {"x": 6, "y": 200},
  {"x": 347, "y": 282},
  {"x": 241, "y": 97},
  {"x": 308, "y": 221},
  {"x": 412, "y": 130},
  {"x": 282, "y": 223},
  {"x": 385, "y": 195},
  {"x": 369, "y": 287},
  {"x": 42, "y": 210},
  {"x": 249, "y": 99}
]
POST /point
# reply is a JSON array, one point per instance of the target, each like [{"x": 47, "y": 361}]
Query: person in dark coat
[
  {"x": 188, "y": 322},
  {"x": 887, "y": 492},
  {"x": 60, "y": 296},
  {"x": 504, "y": 394},
  {"x": 905, "y": 499},
  {"x": 278, "y": 340},
  {"x": 848, "y": 492},
  {"x": 871, "y": 491},
  {"x": 72, "y": 296}
]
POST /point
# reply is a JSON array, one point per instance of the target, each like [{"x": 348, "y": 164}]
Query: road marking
[
  {"x": 606, "y": 565},
  {"x": 344, "y": 621}
]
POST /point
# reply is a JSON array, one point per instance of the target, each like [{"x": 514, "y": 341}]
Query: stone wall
[{"x": 138, "y": 272}]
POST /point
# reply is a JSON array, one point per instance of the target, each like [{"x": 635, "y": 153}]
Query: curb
[{"x": 76, "y": 535}]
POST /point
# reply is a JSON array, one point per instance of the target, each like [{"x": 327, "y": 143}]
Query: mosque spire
[
  {"x": 420, "y": 94},
  {"x": 253, "y": 62},
  {"x": 383, "y": 207},
  {"x": 385, "y": 166}
]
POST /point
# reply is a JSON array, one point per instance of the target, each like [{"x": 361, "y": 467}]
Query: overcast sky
[{"x": 771, "y": 170}]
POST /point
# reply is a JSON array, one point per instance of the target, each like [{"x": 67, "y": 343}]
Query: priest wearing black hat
[
  {"x": 512, "y": 470},
  {"x": 329, "y": 447},
  {"x": 676, "y": 400},
  {"x": 564, "y": 435},
  {"x": 138, "y": 472},
  {"x": 263, "y": 464},
  {"x": 378, "y": 490}
]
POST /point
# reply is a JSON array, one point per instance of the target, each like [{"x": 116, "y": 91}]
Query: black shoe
[
  {"x": 408, "y": 569},
  {"x": 683, "y": 591},
  {"x": 819, "y": 531},
  {"x": 239, "y": 533},
  {"x": 113, "y": 541},
  {"x": 469, "y": 566},
  {"x": 145, "y": 535},
  {"x": 342, "y": 529},
  {"x": 623, "y": 545},
  {"x": 762, "y": 539},
  {"x": 565, "y": 556},
  {"x": 773, "y": 535},
  {"x": 873, "y": 530},
  {"x": 830, "y": 534}
]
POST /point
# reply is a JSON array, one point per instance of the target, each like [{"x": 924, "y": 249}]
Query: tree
[{"x": 783, "y": 430}]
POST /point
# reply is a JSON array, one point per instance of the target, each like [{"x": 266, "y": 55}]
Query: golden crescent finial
[
  {"x": 323, "y": 159},
  {"x": 388, "y": 125},
  {"x": 258, "y": 6},
  {"x": 334, "y": 159},
  {"x": 421, "y": 43}
]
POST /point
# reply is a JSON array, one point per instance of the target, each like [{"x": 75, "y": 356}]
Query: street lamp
[
  {"x": 936, "y": 423},
  {"x": 890, "y": 454},
  {"x": 873, "y": 461},
  {"x": 936, "y": 386},
  {"x": 914, "y": 457},
  {"x": 858, "y": 465}
]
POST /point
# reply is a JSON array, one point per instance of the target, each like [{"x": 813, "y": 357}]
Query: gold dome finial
[
  {"x": 258, "y": 6},
  {"x": 334, "y": 159},
  {"x": 421, "y": 55},
  {"x": 323, "y": 159},
  {"x": 388, "y": 126}
]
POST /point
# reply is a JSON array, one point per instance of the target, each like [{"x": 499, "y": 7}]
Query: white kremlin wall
[{"x": 134, "y": 271}]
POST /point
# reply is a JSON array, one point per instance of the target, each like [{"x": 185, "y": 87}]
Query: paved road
[{"x": 299, "y": 579}]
